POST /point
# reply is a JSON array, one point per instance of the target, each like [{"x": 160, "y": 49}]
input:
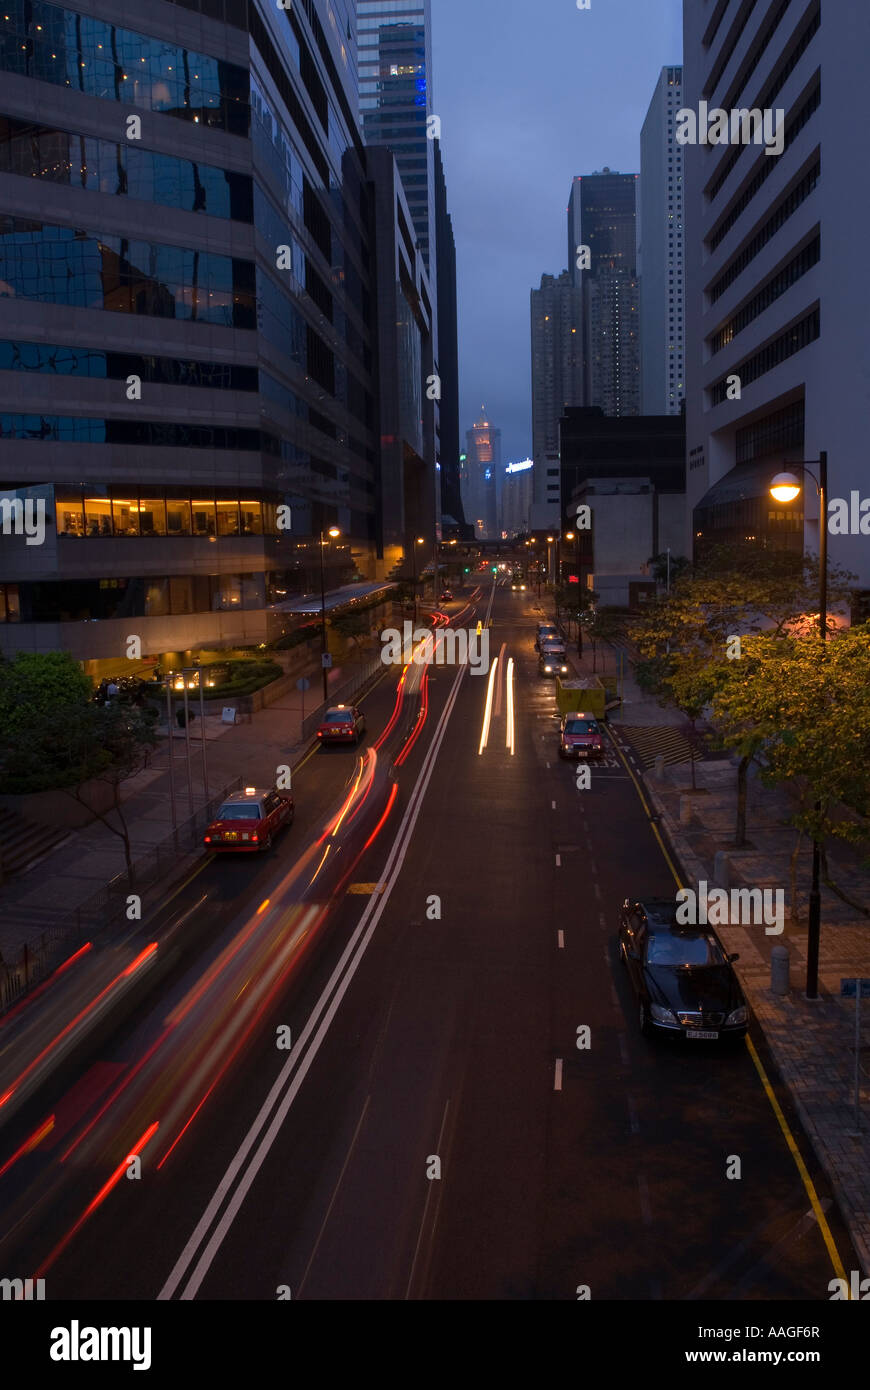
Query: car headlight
[
  {"x": 661, "y": 1015},
  {"x": 563, "y": 670},
  {"x": 737, "y": 1015},
  {"x": 548, "y": 669}
]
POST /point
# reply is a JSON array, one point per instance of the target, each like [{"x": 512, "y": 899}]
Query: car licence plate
[{"x": 698, "y": 1033}]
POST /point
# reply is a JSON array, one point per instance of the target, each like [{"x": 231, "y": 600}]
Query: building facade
[
  {"x": 480, "y": 477},
  {"x": 187, "y": 362},
  {"x": 556, "y": 310},
  {"x": 660, "y": 251},
  {"x": 778, "y": 354},
  {"x": 515, "y": 497}
]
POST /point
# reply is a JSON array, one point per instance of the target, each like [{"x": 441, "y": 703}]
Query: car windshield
[
  {"x": 339, "y": 716},
  {"x": 581, "y": 726},
  {"x": 667, "y": 949},
  {"x": 239, "y": 810}
]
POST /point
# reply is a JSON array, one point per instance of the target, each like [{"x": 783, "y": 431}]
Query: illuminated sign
[{"x": 520, "y": 467}]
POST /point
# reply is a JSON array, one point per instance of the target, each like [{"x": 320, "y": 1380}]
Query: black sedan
[{"x": 683, "y": 982}]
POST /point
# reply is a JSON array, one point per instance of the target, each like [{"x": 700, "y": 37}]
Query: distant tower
[{"x": 482, "y": 465}]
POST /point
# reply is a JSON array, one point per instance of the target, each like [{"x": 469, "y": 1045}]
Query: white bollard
[{"x": 779, "y": 970}]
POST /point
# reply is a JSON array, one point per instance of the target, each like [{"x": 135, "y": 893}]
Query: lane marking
[
  {"x": 623, "y": 1050},
  {"x": 560, "y": 937},
  {"x": 553, "y": 804},
  {"x": 430, "y": 1186},
  {"x": 558, "y": 861},
  {"x": 557, "y": 1082},
  {"x": 791, "y": 1142},
  {"x": 239, "y": 1177},
  {"x": 344, "y": 1166},
  {"x": 634, "y": 1122}
]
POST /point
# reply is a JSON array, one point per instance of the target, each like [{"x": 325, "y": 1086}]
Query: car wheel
[
  {"x": 267, "y": 844},
  {"x": 643, "y": 1019}
]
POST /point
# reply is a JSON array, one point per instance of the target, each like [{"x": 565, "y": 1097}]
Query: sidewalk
[
  {"x": 812, "y": 1042},
  {"x": 34, "y": 902}
]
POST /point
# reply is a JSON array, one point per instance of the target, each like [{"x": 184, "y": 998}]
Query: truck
[{"x": 582, "y": 693}]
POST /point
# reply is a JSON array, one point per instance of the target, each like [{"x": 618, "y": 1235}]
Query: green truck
[{"x": 584, "y": 693}]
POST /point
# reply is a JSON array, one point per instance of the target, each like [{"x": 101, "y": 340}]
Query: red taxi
[
  {"x": 580, "y": 736},
  {"x": 342, "y": 724},
  {"x": 247, "y": 821}
]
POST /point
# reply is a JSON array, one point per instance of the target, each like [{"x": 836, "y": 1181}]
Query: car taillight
[
  {"x": 208, "y": 839},
  {"x": 255, "y": 836}
]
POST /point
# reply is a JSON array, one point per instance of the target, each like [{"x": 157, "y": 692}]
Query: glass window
[
  {"x": 152, "y": 516},
  {"x": 125, "y": 515},
  {"x": 177, "y": 516},
  {"x": 156, "y": 598},
  {"x": 229, "y": 591},
  {"x": 203, "y": 518},
  {"x": 10, "y": 611},
  {"x": 227, "y": 518},
  {"x": 69, "y": 512},
  {"x": 98, "y": 516},
  {"x": 181, "y": 593},
  {"x": 253, "y": 591},
  {"x": 252, "y": 518}
]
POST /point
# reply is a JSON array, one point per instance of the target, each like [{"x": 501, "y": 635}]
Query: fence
[
  {"x": 101, "y": 914},
  {"x": 346, "y": 692}
]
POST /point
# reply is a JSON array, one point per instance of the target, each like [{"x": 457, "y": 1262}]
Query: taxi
[
  {"x": 248, "y": 821},
  {"x": 342, "y": 724}
]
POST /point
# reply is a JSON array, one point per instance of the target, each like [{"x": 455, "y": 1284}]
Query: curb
[{"x": 685, "y": 860}]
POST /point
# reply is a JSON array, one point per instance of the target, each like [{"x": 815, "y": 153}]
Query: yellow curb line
[{"x": 809, "y": 1185}]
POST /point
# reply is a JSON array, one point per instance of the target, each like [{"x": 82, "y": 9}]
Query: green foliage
[
  {"x": 243, "y": 678},
  {"x": 76, "y": 742},
  {"x": 34, "y": 685},
  {"x": 659, "y": 570}
]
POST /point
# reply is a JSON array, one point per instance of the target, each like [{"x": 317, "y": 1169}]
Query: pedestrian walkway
[
  {"x": 89, "y": 858},
  {"x": 651, "y": 741}
]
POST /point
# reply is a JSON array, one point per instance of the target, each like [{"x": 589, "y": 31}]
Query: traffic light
[
  {"x": 467, "y": 569},
  {"x": 495, "y": 569}
]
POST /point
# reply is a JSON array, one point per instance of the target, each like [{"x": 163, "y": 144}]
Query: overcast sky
[{"x": 530, "y": 93}]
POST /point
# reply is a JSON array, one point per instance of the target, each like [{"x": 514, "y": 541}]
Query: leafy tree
[
  {"x": 783, "y": 705},
  {"x": 353, "y": 627},
  {"x": 35, "y": 685},
  {"x": 662, "y": 566}
]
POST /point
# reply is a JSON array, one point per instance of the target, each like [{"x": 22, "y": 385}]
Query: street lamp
[
  {"x": 333, "y": 531},
  {"x": 418, "y": 541},
  {"x": 785, "y": 488}
]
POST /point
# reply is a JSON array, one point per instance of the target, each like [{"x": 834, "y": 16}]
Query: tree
[
  {"x": 34, "y": 685},
  {"x": 784, "y": 706},
  {"x": 353, "y": 627},
  {"x": 108, "y": 745},
  {"x": 663, "y": 566}
]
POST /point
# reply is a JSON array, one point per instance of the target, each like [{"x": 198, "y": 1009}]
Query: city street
[{"x": 436, "y": 1131}]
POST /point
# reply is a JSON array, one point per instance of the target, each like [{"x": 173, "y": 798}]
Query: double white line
[{"x": 213, "y": 1226}]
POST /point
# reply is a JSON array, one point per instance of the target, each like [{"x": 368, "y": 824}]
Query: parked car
[
  {"x": 683, "y": 982},
  {"x": 248, "y": 821},
  {"x": 580, "y": 736},
  {"x": 546, "y": 630},
  {"x": 552, "y": 662},
  {"x": 342, "y": 724}
]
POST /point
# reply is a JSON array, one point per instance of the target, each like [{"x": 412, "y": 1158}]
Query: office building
[
  {"x": 448, "y": 352},
  {"x": 557, "y": 382},
  {"x": 515, "y": 497},
  {"x": 777, "y": 348},
  {"x": 187, "y": 362},
  {"x": 479, "y": 477},
  {"x": 660, "y": 248}
]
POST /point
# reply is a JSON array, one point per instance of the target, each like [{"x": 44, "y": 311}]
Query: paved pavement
[{"x": 57, "y": 884}]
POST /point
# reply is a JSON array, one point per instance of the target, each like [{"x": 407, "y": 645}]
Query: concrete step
[{"x": 22, "y": 842}]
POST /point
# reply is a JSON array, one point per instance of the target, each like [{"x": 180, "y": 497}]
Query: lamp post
[
  {"x": 333, "y": 531},
  {"x": 418, "y": 541},
  {"x": 785, "y": 488}
]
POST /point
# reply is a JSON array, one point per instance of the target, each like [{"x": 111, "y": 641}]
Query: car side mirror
[{"x": 735, "y": 956}]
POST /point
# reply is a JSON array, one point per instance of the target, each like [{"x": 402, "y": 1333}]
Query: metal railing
[
  {"x": 100, "y": 915},
  {"x": 348, "y": 691}
]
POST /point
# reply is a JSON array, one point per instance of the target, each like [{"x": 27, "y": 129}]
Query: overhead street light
[
  {"x": 785, "y": 487},
  {"x": 333, "y": 532}
]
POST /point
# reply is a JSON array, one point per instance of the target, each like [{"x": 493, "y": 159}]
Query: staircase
[{"x": 22, "y": 842}]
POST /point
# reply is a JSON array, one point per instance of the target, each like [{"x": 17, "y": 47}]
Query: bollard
[
  {"x": 722, "y": 869},
  {"x": 779, "y": 970},
  {"x": 660, "y": 765},
  {"x": 686, "y": 810}
]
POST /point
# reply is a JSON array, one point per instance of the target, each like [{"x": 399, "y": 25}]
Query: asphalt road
[{"x": 434, "y": 1011}]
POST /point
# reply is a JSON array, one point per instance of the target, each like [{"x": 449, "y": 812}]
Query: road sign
[
  {"x": 303, "y": 684},
  {"x": 326, "y": 661},
  {"x": 849, "y": 988},
  {"x": 228, "y": 715}
]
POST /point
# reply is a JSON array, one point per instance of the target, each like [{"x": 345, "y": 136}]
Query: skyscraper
[
  {"x": 777, "y": 349},
  {"x": 448, "y": 348},
  {"x": 482, "y": 465},
  {"x": 660, "y": 239},
  {"x": 395, "y": 97},
  {"x": 557, "y": 381},
  {"x": 187, "y": 342},
  {"x": 602, "y": 231}
]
